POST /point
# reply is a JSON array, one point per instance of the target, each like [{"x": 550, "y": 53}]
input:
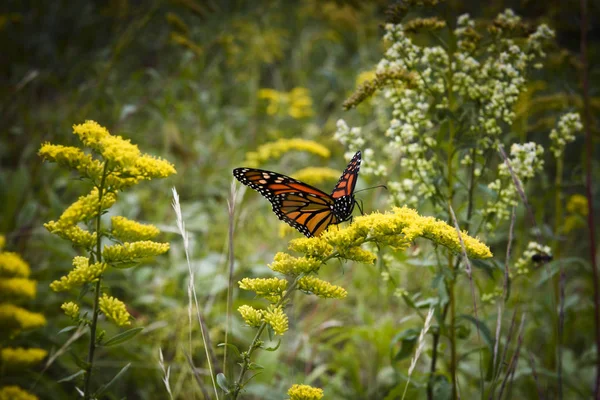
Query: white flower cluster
[
  {"x": 526, "y": 160},
  {"x": 564, "y": 133},
  {"x": 523, "y": 264},
  {"x": 353, "y": 140},
  {"x": 495, "y": 82}
]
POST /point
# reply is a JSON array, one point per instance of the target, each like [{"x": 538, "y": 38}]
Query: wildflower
[
  {"x": 20, "y": 358},
  {"x": 271, "y": 289},
  {"x": 578, "y": 204},
  {"x": 17, "y": 288},
  {"x": 275, "y": 317},
  {"x": 70, "y": 309},
  {"x": 133, "y": 251},
  {"x": 12, "y": 265},
  {"x": 251, "y": 316},
  {"x": 115, "y": 310},
  {"x": 564, "y": 133},
  {"x": 321, "y": 288},
  {"x": 289, "y": 265},
  {"x": 358, "y": 254},
  {"x": 82, "y": 273},
  {"x": 74, "y": 234},
  {"x": 316, "y": 176},
  {"x": 14, "y": 319},
  {"x": 73, "y": 158},
  {"x": 15, "y": 393},
  {"x": 127, "y": 230},
  {"x": 313, "y": 247},
  {"x": 296, "y": 103},
  {"x": 526, "y": 261},
  {"x": 424, "y": 24},
  {"x": 274, "y": 150},
  {"x": 304, "y": 392}
]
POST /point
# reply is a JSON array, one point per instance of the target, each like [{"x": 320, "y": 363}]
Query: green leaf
[
  {"x": 79, "y": 362},
  {"x": 71, "y": 377},
  {"x": 254, "y": 366},
  {"x": 442, "y": 389},
  {"x": 103, "y": 388},
  {"x": 125, "y": 264},
  {"x": 222, "y": 382},
  {"x": 231, "y": 346},
  {"x": 273, "y": 348},
  {"x": 67, "y": 329},
  {"x": 486, "y": 334},
  {"x": 122, "y": 337},
  {"x": 407, "y": 339}
]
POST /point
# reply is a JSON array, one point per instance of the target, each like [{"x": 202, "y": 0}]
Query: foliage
[{"x": 471, "y": 115}]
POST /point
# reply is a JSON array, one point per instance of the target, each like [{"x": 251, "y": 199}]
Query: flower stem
[{"x": 94, "y": 324}]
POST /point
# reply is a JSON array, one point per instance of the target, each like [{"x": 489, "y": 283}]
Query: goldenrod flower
[
  {"x": 296, "y": 103},
  {"x": 2, "y": 242},
  {"x": 115, "y": 310},
  {"x": 275, "y": 317},
  {"x": 271, "y": 289},
  {"x": 74, "y": 234},
  {"x": 578, "y": 204},
  {"x": 150, "y": 167},
  {"x": 17, "y": 288},
  {"x": 134, "y": 251},
  {"x": 316, "y": 175},
  {"x": 315, "y": 247},
  {"x": 91, "y": 134},
  {"x": 305, "y": 392},
  {"x": 72, "y": 157},
  {"x": 358, "y": 254},
  {"x": 15, "y": 393},
  {"x": 12, "y": 265},
  {"x": 19, "y": 358},
  {"x": 127, "y": 230},
  {"x": 321, "y": 288},
  {"x": 13, "y": 318},
  {"x": 81, "y": 274},
  {"x": 84, "y": 209},
  {"x": 251, "y": 316},
  {"x": 289, "y": 265},
  {"x": 274, "y": 150},
  {"x": 71, "y": 310}
]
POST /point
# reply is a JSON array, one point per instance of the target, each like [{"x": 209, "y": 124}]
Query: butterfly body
[{"x": 303, "y": 206}]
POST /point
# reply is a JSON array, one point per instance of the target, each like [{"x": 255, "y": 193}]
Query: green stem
[{"x": 94, "y": 324}]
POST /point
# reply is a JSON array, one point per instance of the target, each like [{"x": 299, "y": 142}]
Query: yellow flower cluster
[
  {"x": 272, "y": 289},
  {"x": 71, "y": 310},
  {"x": 133, "y": 251},
  {"x": 251, "y": 315},
  {"x": 316, "y": 175},
  {"x": 127, "y": 230},
  {"x": 275, "y": 317},
  {"x": 305, "y": 392},
  {"x": 315, "y": 247},
  {"x": 290, "y": 265},
  {"x": 295, "y": 103},
  {"x": 20, "y": 358},
  {"x": 398, "y": 229},
  {"x": 15, "y": 286},
  {"x": 115, "y": 310},
  {"x": 82, "y": 273},
  {"x": 274, "y": 150},
  {"x": 17, "y": 289},
  {"x": 578, "y": 204},
  {"x": 14, "y": 319},
  {"x": 15, "y": 393},
  {"x": 73, "y": 158},
  {"x": 321, "y": 288},
  {"x": 12, "y": 265}
]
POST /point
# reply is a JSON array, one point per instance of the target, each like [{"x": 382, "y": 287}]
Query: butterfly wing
[
  {"x": 304, "y": 207},
  {"x": 347, "y": 182}
]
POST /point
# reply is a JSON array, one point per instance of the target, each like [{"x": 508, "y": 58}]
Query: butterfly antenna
[{"x": 372, "y": 187}]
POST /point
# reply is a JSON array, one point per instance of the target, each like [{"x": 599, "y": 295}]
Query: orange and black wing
[
  {"x": 300, "y": 205},
  {"x": 347, "y": 182}
]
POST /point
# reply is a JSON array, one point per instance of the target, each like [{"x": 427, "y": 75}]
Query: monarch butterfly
[{"x": 300, "y": 205}]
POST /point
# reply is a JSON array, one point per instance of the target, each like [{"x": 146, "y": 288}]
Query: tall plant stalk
[{"x": 93, "y": 326}]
